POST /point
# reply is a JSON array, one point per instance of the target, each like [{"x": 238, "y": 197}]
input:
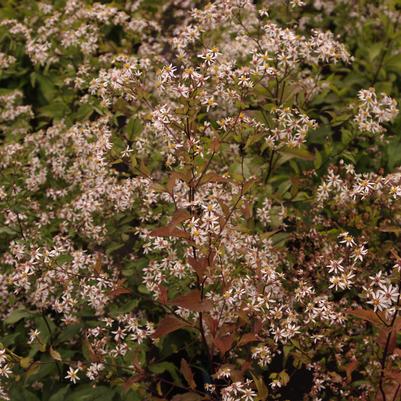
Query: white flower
[
  {"x": 3, "y": 356},
  {"x": 33, "y": 335},
  {"x": 378, "y": 301},
  {"x": 72, "y": 375},
  {"x": 347, "y": 239},
  {"x": 247, "y": 394},
  {"x": 335, "y": 266},
  {"x": 126, "y": 152},
  {"x": 5, "y": 371},
  {"x": 389, "y": 293}
]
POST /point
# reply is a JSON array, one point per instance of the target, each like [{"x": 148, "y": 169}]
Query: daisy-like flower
[
  {"x": 190, "y": 73},
  {"x": 209, "y": 56},
  {"x": 378, "y": 301},
  {"x": 347, "y": 239},
  {"x": 223, "y": 373},
  {"x": 359, "y": 253},
  {"x": 168, "y": 72},
  {"x": 363, "y": 186},
  {"x": 33, "y": 335},
  {"x": 209, "y": 102},
  {"x": 248, "y": 394},
  {"x": 389, "y": 293},
  {"x": 126, "y": 152},
  {"x": 119, "y": 334},
  {"x": 346, "y": 280},
  {"x": 377, "y": 279},
  {"x": 72, "y": 375},
  {"x": 244, "y": 81},
  {"x": 335, "y": 266},
  {"x": 5, "y": 371},
  {"x": 291, "y": 330},
  {"x": 3, "y": 356},
  {"x": 335, "y": 282},
  {"x": 211, "y": 388}
]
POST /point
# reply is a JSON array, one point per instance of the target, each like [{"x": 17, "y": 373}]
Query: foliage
[{"x": 200, "y": 201}]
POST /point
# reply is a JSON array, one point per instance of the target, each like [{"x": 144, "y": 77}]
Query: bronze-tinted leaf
[
  {"x": 132, "y": 380},
  {"x": 367, "y": 315},
  {"x": 248, "y": 338},
  {"x": 187, "y": 373},
  {"x": 248, "y": 185},
  {"x": 212, "y": 324},
  {"x": 390, "y": 229},
  {"x": 192, "y": 301},
  {"x": 163, "y": 296},
  {"x": 168, "y": 325},
  {"x": 98, "y": 264},
  {"x": 170, "y": 231},
  {"x": 211, "y": 177},
  {"x": 179, "y": 216},
  {"x": 171, "y": 183},
  {"x": 199, "y": 264},
  {"x": 91, "y": 354},
  {"x": 391, "y": 389},
  {"x": 119, "y": 291},
  {"x": 393, "y": 374},
  {"x": 215, "y": 145},
  {"x": 224, "y": 207},
  {"x": 393, "y": 336},
  {"x": 383, "y": 338},
  {"x": 143, "y": 169},
  {"x": 223, "y": 344},
  {"x": 350, "y": 368}
]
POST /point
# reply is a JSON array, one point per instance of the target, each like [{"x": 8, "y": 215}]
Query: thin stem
[
  {"x": 270, "y": 168},
  {"x": 386, "y": 348}
]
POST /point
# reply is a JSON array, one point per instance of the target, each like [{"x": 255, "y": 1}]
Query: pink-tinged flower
[
  {"x": 335, "y": 266},
  {"x": 378, "y": 301},
  {"x": 390, "y": 293},
  {"x": 247, "y": 394},
  {"x": 5, "y": 371}
]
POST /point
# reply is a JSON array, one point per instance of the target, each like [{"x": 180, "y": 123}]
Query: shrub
[{"x": 200, "y": 201}]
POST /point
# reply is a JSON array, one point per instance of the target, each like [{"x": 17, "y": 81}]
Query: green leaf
[
  {"x": 394, "y": 63},
  {"x": 84, "y": 112},
  {"x": 114, "y": 246},
  {"x": 393, "y": 151},
  {"x": 60, "y": 394},
  {"x": 169, "y": 367},
  {"x": 318, "y": 160},
  {"x": 348, "y": 156},
  {"x": 283, "y": 187},
  {"x": 133, "y": 128},
  {"x": 261, "y": 387},
  {"x": 8, "y": 231},
  {"x": 17, "y": 315},
  {"x": 299, "y": 153},
  {"x": 87, "y": 392},
  {"x": 69, "y": 332},
  {"x": 46, "y": 86},
  {"x": 56, "y": 109},
  {"x": 22, "y": 394},
  {"x": 346, "y": 136},
  {"x": 374, "y": 50}
]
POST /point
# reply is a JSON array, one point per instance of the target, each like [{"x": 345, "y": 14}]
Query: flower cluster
[
  {"x": 373, "y": 111},
  {"x": 173, "y": 193}
]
